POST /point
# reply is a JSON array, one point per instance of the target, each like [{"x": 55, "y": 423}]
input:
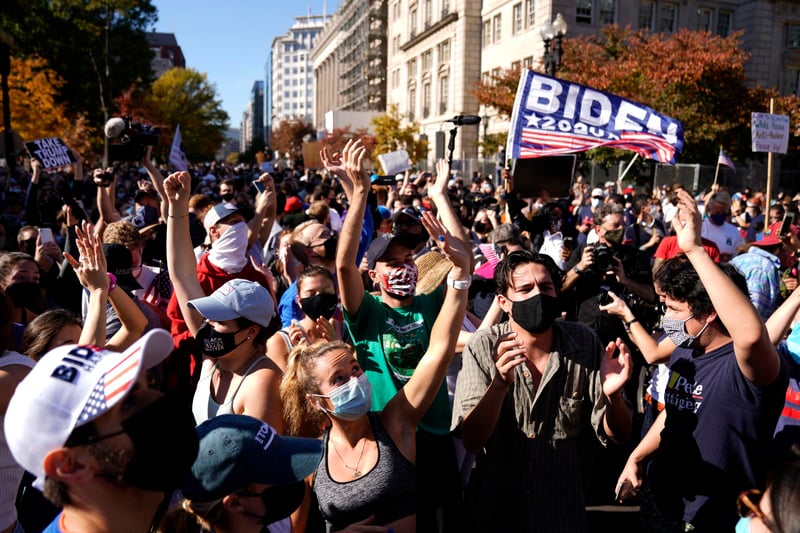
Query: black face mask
[
  {"x": 28, "y": 246},
  {"x": 537, "y": 313},
  {"x": 227, "y": 197},
  {"x": 165, "y": 446},
  {"x": 481, "y": 227},
  {"x": 319, "y": 305},
  {"x": 279, "y": 502},
  {"x": 216, "y": 344},
  {"x": 330, "y": 247},
  {"x": 26, "y": 294}
]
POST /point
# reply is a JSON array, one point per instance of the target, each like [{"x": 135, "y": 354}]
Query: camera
[
  {"x": 132, "y": 138},
  {"x": 603, "y": 257}
]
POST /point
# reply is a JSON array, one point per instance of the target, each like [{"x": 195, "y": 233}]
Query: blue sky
[{"x": 229, "y": 40}]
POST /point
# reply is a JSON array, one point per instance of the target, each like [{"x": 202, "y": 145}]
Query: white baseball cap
[
  {"x": 237, "y": 298},
  {"x": 69, "y": 387},
  {"x": 218, "y": 212}
]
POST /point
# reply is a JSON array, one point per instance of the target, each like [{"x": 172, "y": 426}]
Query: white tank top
[{"x": 203, "y": 404}]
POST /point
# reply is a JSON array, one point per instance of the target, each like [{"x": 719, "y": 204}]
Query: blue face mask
[
  {"x": 743, "y": 525},
  {"x": 793, "y": 344},
  {"x": 351, "y": 400}
]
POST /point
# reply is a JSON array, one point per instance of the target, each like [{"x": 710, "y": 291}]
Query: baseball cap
[
  {"x": 237, "y": 298},
  {"x": 771, "y": 236},
  {"x": 293, "y": 205},
  {"x": 597, "y": 193},
  {"x": 609, "y": 184},
  {"x": 505, "y": 233},
  {"x": 381, "y": 243},
  {"x": 384, "y": 212},
  {"x": 69, "y": 387},
  {"x": 411, "y": 212},
  {"x": 218, "y": 212},
  {"x": 237, "y": 450},
  {"x": 119, "y": 262},
  {"x": 145, "y": 218}
]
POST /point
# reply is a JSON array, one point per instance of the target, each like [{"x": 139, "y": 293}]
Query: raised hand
[
  {"x": 439, "y": 185},
  {"x": 353, "y": 156},
  {"x": 177, "y": 187},
  {"x": 92, "y": 267},
  {"x": 452, "y": 247},
  {"x": 509, "y": 353},
  {"x": 615, "y": 372},
  {"x": 687, "y": 222},
  {"x": 333, "y": 162}
]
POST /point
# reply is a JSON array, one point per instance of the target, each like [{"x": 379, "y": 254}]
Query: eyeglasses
[{"x": 748, "y": 504}]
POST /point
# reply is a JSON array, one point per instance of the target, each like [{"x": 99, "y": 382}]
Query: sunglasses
[{"x": 748, "y": 504}]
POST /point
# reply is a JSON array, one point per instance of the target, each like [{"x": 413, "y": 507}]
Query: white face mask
[{"x": 229, "y": 252}]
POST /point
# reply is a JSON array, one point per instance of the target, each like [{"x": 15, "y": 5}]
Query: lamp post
[{"x": 549, "y": 31}]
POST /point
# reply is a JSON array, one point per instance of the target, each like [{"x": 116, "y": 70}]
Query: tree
[
  {"x": 392, "y": 135},
  {"x": 35, "y": 108},
  {"x": 185, "y": 97},
  {"x": 288, "y": 137},
  {"x": 694, "y": 77}
]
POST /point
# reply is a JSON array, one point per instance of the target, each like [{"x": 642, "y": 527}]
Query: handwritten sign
[
  {"x": 51, "y": 152},
  {"x": 770, "y": 133}
]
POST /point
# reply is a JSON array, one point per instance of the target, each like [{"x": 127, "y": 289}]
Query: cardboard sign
[
  {"x": 311, "y": 157},
  {"x": 552, "y": 174},
  {"x": 770, "y": 133},
  {"x": 51, "y": 152},
  {"x": 394, "y": 162}
]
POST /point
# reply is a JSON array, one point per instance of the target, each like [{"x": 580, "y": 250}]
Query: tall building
[
  {"x": 291, "y": 75},
  {"x": 433, "y": 64},
  {"x": 349, "y": 62},
  {"x": 167, "y": 53},
  {"x": 252, "y": 126}
]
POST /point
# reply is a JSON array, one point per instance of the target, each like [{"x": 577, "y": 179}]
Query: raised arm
[
  {"x": 780, "y": 321},
  {"x": 105, "y": 200},
  {"x": 264, "y": 201},
  {"x": 156, "y": 178},
  {"x": 756, "y": 355},
  {"x": 653, "y": 352},
  {"x": 180, "y": 257},
  {"x": 92, "y": 273},
  {"x": 351, "y": 288},
  {"x": 437, "y": 191},
  {"x": 413, "y": 400}
]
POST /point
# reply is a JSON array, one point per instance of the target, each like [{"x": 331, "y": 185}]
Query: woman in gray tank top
[{"x": 367, "y": 471}]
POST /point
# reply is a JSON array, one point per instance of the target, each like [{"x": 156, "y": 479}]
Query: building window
[
  {"x": 516, "y": 65},
  {"x": 528, "y": 62},
  {"x": 669, "y": 18},
  {"x": 724, "y": 20},
  {"x": 530, "y": 13},
  {"x": 427, "y": 60},
  {"x": 485, "y": 79},
  {"x": 412, "y": 68},
  {"x": 428, "y": 13},
  {"x": 704, "y": 17},
  {"x": 426, "y": 100},
  {"x": 412, "y": 103},
  {"x": 583, "y": 11},
  {"x": 445, "y": 8},
  {"x": 444, "y": 90},
  {"x": 412, "y": 24},
  {"x": 444, "y": 51},
  {"x": 395, "y": 78},
  {"x": 516, "y": 24},
  {"x": 792, "y": 39},
  {"x": 608, "y": 12},
  {"x": 487, "y": 33},
  {"x": 496, "y": 28},
  {"x": 646, "y": 15}
]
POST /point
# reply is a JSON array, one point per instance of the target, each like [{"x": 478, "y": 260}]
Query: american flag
[
  {"x": 553, "y": 116},
  {"x": 723, "y": 159},
  {"x": 114, "y": 382}
]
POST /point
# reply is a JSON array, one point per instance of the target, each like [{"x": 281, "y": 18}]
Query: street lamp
[{"x": 552, "y": 58}]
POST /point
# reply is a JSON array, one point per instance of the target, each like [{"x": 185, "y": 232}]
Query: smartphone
[
  {"x": 46, "y": 235},
  {"x": 786, "y": 225},
  {"x": 605, "y": 299},
  {"x": 77, "y": 210},
  {"x": 259, "y": 186}
]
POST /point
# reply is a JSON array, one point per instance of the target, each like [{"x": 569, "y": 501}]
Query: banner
[
  {"x": 770, "y": 133},
  {"x": 51, "y": 152},
  {"x": 176, "y": 155},
  {"x": 553, "y": 116}
]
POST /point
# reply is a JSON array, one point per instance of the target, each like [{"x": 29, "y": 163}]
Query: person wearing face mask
[
  {"x": 528, "y": 390},
  {"x": 246, "y": 476},
  {"x": 19, "y": 280},
  {"x": 368, "y": 467},
  {"x": 316, "y": 295},
  {"x": 102, "y": 446},
  {"x": 725, "y": 392},
  {"x": 718, "y": 229}
]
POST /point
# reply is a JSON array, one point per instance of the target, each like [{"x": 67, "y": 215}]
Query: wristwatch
[
  {"x": 577, "y": 270},
  {"x": 458, "y": 284}
]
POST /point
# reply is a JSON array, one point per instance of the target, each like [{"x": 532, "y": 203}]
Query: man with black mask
[
  {"x": 101, "y": 444},
  {"x": 527, "y": 390}
]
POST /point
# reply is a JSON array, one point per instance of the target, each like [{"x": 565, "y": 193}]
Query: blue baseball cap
[
  {"x": 237, "y": 298},
  {"x": 237, "y": 450}
]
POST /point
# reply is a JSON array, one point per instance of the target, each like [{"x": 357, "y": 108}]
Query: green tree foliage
[
  {"x": 185, "y": 97},
  {"x": 71, "y": 35},
  {"x": 391, "y": 135},
  {"x": 694, "y": 77}
]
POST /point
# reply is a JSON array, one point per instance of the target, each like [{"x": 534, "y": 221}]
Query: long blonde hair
[{"x": 302, "y": 419}]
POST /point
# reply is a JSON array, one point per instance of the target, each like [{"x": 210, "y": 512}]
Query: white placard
[
  {"x": 394, "y": 162},
  {"x": 770, "y": 133}
]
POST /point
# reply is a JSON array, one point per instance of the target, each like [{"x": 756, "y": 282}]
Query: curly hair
[
  {"x": 302, "y": 419},
  {"x": 124, "y": 233}
]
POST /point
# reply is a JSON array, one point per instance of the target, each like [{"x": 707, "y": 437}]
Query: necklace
[{"x": 356, "y": 471}]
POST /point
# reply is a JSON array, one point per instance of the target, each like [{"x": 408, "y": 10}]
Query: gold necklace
[{"x": 356, "y": 471}]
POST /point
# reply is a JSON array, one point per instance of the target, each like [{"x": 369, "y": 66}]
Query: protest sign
[
  {"x": 553, "y": 116},
  {"x": 770, "y": 133},
  {"x": 51, "y": 152},
  {"x": 394, "y": 162}
]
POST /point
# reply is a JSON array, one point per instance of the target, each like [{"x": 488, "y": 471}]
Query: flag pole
[
  {"x": 716, "y": 172},
  {"x": 770, "y": 162},
  {"x": 625, "y": 172}
]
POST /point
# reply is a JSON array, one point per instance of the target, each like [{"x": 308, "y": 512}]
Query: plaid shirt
[
  {"x": 527, "y": 477},
  {"x": 762, "y": 270}
]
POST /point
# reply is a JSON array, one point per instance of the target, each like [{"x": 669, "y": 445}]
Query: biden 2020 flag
[{"x": 553, "y": 116}]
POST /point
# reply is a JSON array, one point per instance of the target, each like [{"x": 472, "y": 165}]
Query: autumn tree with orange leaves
[{"x": 694, "y": 77}]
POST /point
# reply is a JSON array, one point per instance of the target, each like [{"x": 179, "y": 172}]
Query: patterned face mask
[{"x": 401, "y": 281}]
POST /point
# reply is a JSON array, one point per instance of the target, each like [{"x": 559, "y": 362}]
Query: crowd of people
[{"x": 231, "y": 350}]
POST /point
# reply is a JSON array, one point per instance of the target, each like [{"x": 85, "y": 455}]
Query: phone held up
[{"x": 259, "y": 186}]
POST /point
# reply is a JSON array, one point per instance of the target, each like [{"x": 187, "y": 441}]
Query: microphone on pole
[{"x": 465, "y": 120}]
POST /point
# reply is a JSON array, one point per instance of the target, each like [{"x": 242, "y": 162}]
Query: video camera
[{"x": 132, "y": 138}]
